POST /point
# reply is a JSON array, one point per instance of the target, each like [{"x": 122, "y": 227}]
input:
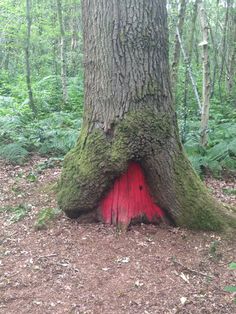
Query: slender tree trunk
[
  {"x": 223, "y": 63},
  {"x": 231, "y": 72},
  {"x": 54, "y": 45},
  {"x": 215, "y": 46},
  {"x": 129, "y": 116},
  {"x": 232, "y": 57},
  {"x": 63, "y": 54},
  {"x": 179, "y": 31},
  {"x": 27, "y": 57},
  {"x": 206, "y": 85},
  {"x": 75, "y": 30},
  {"x": 188, "y": 72}
]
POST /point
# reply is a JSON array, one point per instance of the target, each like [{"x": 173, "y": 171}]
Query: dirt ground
[{"x": 91, "y": 268}]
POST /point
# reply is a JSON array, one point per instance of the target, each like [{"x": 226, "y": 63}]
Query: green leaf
[
  {"x": 232, "y": 266},
  {"x": 230, "y": 288},
  {"x": 45, "y": 216}
]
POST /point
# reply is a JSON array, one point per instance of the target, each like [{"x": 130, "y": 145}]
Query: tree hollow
[{"x": 129, "y": 199}]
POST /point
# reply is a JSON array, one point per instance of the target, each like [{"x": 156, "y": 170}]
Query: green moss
[
  {"x": 82, "y": 169},
  {"x": 200, "y": 210},
  {"x": 138, "y": 131}
]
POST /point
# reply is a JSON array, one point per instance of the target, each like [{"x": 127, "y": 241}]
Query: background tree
[
  {"x": 63, "y": 53},
  {"x": 129, "y": 116},
  {"x": 206, "y": 89},
  {"x": 27, "y": 56},
  {"x": 179, "y": 31},
  {"x": 231, "y": 52}
]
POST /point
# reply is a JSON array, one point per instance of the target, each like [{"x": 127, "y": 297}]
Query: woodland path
[{"x": 91, "y": 269}]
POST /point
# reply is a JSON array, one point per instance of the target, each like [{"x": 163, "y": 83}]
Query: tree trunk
[
  {"x": 206, "y": 82},
  {"x": 232, "y": 56},
  {"x": 75, "y": 26},
  {"x": 188, "y": 60},
  {"x": 129, "y": 117},
  {"x": 179, "y": 31},
  {"x": 215, "y": 48},
  {"x": 189, "y": 72},
  {"x": 63, "y": 54},
  {"x": 27, "y": 58},
  {"x": 224, "y": 50}
]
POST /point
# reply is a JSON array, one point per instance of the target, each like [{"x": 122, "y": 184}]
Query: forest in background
[{"x": 41, "y": 79}]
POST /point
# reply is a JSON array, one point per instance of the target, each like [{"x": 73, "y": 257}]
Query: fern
[
  {"x": 14, "y": 153},
  {"x": 45, "y": 216},
  {"x": 16, "y": 213},
  {"x": 58, "y": 142},
  {"x": 232, "y": 148},
  {"x": 198, "y": 163},
  {"x": 218, "y": 152},
  {"x": 217, "y": 158}
]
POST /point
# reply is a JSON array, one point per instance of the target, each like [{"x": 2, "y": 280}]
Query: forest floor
[{"x": 90, "y": 268}]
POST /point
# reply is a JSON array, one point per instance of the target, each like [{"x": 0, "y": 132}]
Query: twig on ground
[
  {"x": 190, "y": 269},
  {"x": 47, "y": 256}
]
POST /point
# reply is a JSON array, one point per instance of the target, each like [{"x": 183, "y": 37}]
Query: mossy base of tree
[
  {"x": 200, "y": 209},
  {"x": 91, "y": 168}
]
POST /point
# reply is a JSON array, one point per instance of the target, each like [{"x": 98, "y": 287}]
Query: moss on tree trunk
[{"x": 90, "y": 169}]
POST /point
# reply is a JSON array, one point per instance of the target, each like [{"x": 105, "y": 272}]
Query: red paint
[{"x": 129, "y": 198}]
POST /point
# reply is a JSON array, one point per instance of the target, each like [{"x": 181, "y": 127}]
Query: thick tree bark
[{"x": 129, "y": 116}]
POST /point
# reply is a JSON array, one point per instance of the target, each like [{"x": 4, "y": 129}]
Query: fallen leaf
[
  {"x": 138, "y": 283},
  {"x": 183, "y": 300},
  {"x": 184, "y": 277}
]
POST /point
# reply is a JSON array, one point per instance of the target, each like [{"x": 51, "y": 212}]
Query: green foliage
[
  {"x": 231, "y": 289},
  {"x": 13, "y": 153},
  {"x": 229, "y": 191},
  {"x": 47, "y": 93},
  {"x": 213, "y": 250},
  {"x": 49, "y": 163},
  {"x": 232, "y": 266},
  {"x": 76, "y": 93},
  {"x": 32, "y": 177},
  {"x": 220, "y": 154},
  {"x": 45, "y": 216},
  {"x": 16, "y": 213},
  {"x": 54, "y": 134}
]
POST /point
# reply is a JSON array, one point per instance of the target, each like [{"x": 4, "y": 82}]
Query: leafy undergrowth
[
  {"x": 15, "y": 213},
  {"x": 53, "y": 135},
  {"x": 45, "y": 216},
  {"x": 231, "y": 289},
  {"x": 220, "y": 154},
  {"x": 50, "y": 264}
]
